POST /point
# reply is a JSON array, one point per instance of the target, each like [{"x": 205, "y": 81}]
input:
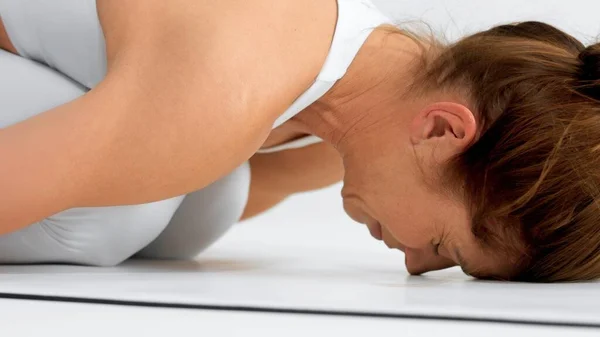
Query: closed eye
[{"x": 436, "y": 248}]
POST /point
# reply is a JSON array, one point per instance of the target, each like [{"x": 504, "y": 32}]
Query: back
[{"x": 199, "y": 83}]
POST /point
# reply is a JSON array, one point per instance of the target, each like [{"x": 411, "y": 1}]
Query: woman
[{"x": 480, "y": 154}]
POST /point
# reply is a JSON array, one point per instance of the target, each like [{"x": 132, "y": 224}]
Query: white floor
[{"x": 307, "y": 256}]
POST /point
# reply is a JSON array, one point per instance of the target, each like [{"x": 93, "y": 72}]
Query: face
[{"x": 392, "y": 185}]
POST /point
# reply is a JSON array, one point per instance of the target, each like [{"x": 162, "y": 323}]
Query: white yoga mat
[{"x": 305, "y": 256}]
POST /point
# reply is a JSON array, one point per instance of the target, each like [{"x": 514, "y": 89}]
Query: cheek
[
  {"x": 410, "y": 222},
  {"x": 393, "y": 195},
  {"x": 412, "y": 236},
  {"x": 414, "y": 231}
]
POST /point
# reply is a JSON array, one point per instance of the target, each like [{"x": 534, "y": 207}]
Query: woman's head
[{"x": 495, "y": 155}]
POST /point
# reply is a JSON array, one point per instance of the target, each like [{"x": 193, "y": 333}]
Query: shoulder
[{"x": 263, "y": 52}]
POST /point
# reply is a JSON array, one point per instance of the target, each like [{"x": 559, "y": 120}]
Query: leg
[
  {"x": 103, "y": 236},
  {"x": 92, "y": 236},
  {"x": 204, "y": 216}
]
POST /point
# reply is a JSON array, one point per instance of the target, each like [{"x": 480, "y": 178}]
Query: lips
[
  {"x": 381, "y": 233},
  {"x": 375, "y": 230}
]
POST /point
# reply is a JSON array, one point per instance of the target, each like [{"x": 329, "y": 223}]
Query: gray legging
[{"x": 177, "y": 228}]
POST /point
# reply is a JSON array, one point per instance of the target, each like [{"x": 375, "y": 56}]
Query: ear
[{"x": 448, "y": 124}]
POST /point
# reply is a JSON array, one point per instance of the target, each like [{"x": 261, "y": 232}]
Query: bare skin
[
  {"x": 5, "y": 42},
  {"x": 167, "y": 57},
  {"x": 276, "y": 176}
]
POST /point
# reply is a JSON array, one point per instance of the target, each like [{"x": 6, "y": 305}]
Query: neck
[{"x": 372, "y": 88}]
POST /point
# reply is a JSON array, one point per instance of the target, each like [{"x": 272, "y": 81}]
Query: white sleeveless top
[{"x": 66, "y": 35}]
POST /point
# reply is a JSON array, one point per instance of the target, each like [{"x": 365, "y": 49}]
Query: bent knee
[
  {"x": 103, "y": 236},
  {"x": 203, "y": 218}
]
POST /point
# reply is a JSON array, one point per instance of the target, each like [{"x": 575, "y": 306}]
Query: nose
[{"x": 420, "y": 261}]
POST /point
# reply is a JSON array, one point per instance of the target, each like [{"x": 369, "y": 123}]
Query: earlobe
[{"x": 449, "y": 122}]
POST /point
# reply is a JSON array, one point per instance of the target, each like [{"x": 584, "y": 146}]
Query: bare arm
[
  {"x": 5, "y": 42},
  {"x": 276, "y": 176},
  {"x": 192, "y": 91}
]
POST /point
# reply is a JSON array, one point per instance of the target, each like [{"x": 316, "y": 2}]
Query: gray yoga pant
[{"x": 177, "y": 228}]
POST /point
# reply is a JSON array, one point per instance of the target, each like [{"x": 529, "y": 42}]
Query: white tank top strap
[
  {"x": 356, "y": 20},
  {"x": 294, "y": 144}
]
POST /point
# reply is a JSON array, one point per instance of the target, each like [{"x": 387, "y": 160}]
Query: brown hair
[{"x": 534, "y": 172}]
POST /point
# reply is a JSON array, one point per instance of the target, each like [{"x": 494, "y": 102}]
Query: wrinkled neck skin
[{"x": 367, "y": 98}]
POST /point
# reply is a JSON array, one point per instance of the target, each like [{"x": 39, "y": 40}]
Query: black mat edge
[{"x": 82, "y": 300}]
